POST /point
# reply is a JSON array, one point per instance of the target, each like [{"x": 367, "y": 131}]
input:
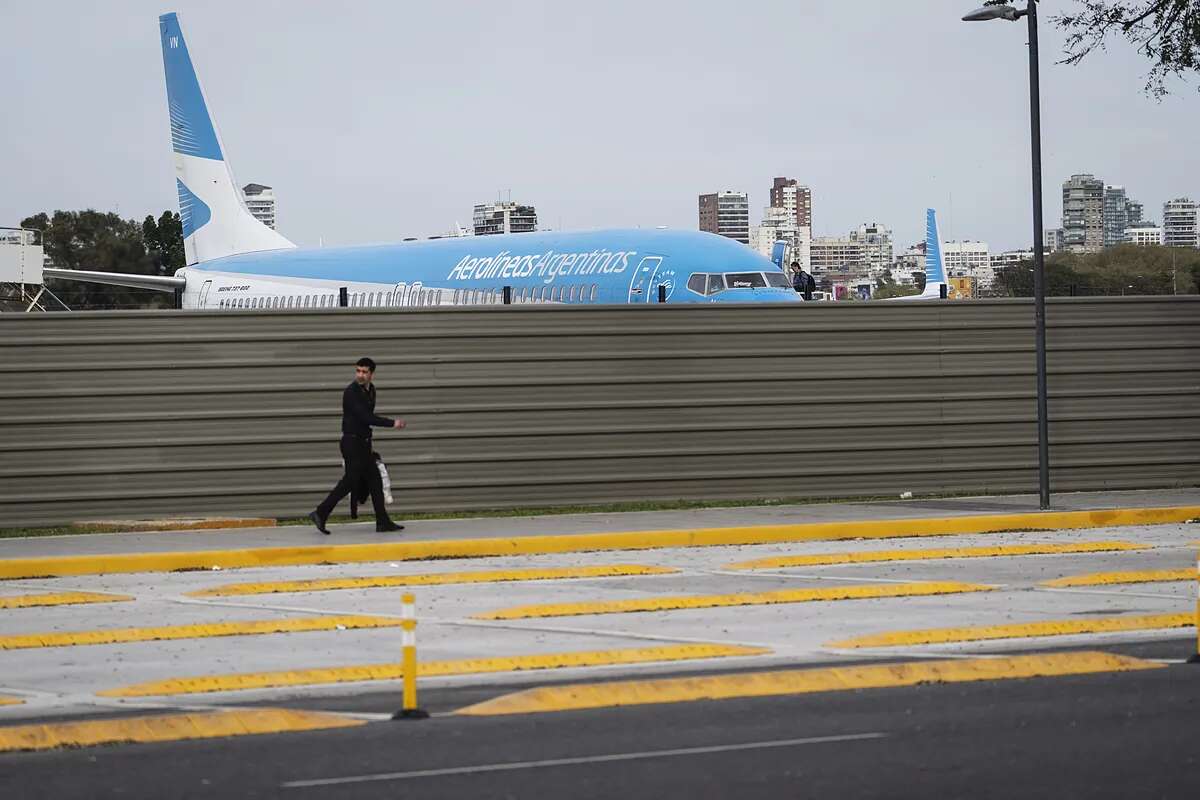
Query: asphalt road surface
[{"x": 1118, "y": 735}]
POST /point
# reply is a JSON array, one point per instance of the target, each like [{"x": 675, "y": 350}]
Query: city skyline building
[
  {"x": 726, "y": 214},
  {"x": 260, "y": 202},
  {"x": 1144, "y": 235},
  {"x": 503, "y": 217},
  {"x": 1180, "y": 223},
  {"x": 788, "y": 194},
  {"x": 969, "y": 259},
  {"x": 1083, "y": 213}
]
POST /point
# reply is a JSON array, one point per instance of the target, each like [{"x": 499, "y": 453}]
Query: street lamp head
[{"x": 993, "y": 12}]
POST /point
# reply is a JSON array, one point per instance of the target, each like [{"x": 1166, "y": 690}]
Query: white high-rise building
[
  {"x": 968, "y": 260},
  {"x": 876, "y": 247},
  {"x": 1144, "y": 236},
  {"x": 504, "y": 217},
  {"x": 780, "y": 224},
  {"x": 1180, "y": 223},
  {"x": 260, "y": 202}
]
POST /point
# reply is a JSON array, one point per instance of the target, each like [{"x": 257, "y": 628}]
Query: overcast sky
[{"x": 380, "y": 120}]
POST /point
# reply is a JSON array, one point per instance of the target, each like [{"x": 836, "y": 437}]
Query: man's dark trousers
[{"x": 360, "y": 466}]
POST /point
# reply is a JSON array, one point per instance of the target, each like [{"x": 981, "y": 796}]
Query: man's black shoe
[
  {"x": 320, "y": 523},
  {"x": 388, "y": 527}
]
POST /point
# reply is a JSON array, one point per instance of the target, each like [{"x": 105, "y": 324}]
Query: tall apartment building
[
  {"x": 726, "y": 214},
  {"x": 1180, "y": 223},
  {"x": 1120, "y": 213},
  {"x": 1052, "y": 240},
  {"x": 876, "y": 243},
  {"x": 504, "y": 217},
  {"x": 969, "y": 260},
  {"x": 1083, "y": 213},
  {"x": 837, "y": 254},
  {"x": 780, "y": 224},
  {"x": 787, "y": 194},
  {"x": 260, "y": 201}
]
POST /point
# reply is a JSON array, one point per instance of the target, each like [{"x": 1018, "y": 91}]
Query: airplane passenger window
[
  {"x": 555, "y": 294},
  {"x": 571, "y": 299},
  {"x": 595, "y": 290},
  {"x": 745, "y": 280},
  {"x": 697, "y": 282}
]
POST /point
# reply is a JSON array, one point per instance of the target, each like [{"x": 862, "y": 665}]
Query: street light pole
[
  {"x": 1039, "y": 264},
  {"x": 998, "y": 11}
]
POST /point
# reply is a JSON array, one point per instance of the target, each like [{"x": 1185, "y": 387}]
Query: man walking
[
  {"x": 358, "y": 415},
  {"x": 802, "y": 282}
]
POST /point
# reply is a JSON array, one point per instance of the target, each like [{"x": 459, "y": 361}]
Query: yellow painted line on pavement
[
  {"x": 871, "y": 556},
  {"x": 60, "y": 599},
  {"x": 678, "y": 603},
  {"x": 5, "y": 700},
  {"x": 200, "y": 631},
  {"x": 1058, "y": 627},
  {"x": 167, "y": 728},
  {"x": 800, "y": 681},
  {"x": 587, "y": 542},
  {"x": 429, "y": 669},
  {"x": 433, "y": 579},
  {"x": 1107, "y": 578}
]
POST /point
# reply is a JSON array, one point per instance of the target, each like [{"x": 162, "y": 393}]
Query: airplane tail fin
[
  {"x": 215, "y": 220},
  {"x": 935, "y": 271}
]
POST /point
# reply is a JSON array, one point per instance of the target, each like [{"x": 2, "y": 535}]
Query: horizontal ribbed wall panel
[{"x": 155, "y": 413}]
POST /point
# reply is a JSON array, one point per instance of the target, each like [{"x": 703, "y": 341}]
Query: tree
[
  {"x": 1124, "y": 269},
  {"x": 1165, "y": 31},
  {"x": 886, "y": 287},
  {"x": 94, "y": 240},
  {"x": 164, "y": 242}
]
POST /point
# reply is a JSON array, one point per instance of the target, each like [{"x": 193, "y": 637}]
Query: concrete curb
[{"x": 57, "y": 566}]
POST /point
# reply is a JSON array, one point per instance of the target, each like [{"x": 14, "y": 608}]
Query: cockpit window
[
  {"x": 778, "y": 280},
  {"x": 716, "y": 283},
  {"x": 696, "y": 282},
  {"x": 745, "y": 280}
]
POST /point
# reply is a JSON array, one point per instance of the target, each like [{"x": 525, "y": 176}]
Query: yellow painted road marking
[
  {"x": 10, "y": 701},
  {"x": 585, "y": 542},
  {"x": 62, "y": 599},
  {"x": 800, "y": 681},
  {"x": 167, "y": 728},
  {"x": 747, "y": 599},
  {"x": 429, "y": 669},
  {"x": 1106, "y": 578},
  {"x": 1058, "y": 627},
  {"x": 200, "y": 631},
  {"x": 870, "y": 556},
  {"x": 434, "y": 579}
]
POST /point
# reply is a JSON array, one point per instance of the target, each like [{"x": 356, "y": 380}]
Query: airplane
[
  {"x": 236, "y": 262},
  {"x": 935, "y": 271}
]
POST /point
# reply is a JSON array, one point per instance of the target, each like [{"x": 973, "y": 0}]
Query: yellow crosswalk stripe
[
  {"x": 801, "y": 681},
  {"x": 60, "y": 599},
  {"x": 857, "y": 592},
  {"x": 166, "y": 728},
  {"x": 1108, "y": 578},
  {"x": 428, "y": 669},
  {"x": 872, "y": 556},
  {"x": 434, "y": 579},
  {"x": 1059, "y": 627},
  {"x": 200, "y": 631}
]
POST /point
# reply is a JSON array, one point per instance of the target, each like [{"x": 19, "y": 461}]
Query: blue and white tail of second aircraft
[
  {"x": 935, "y": 269},
  {"x": 215, "y": 220}
]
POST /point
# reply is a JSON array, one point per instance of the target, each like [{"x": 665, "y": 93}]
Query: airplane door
[
  {"x": 643, "y": 288},
  {"x": 204, "y": 293}
]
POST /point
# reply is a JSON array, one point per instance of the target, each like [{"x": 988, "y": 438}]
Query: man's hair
[
  {"x": 366, "y": 362},
  {"x": 796, "y": 264}
]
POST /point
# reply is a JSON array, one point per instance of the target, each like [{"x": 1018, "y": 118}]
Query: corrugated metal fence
[{"x": 186, "y": 413}]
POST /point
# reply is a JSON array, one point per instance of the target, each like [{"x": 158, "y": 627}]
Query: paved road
[{"x": 1104, "y": 736}]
